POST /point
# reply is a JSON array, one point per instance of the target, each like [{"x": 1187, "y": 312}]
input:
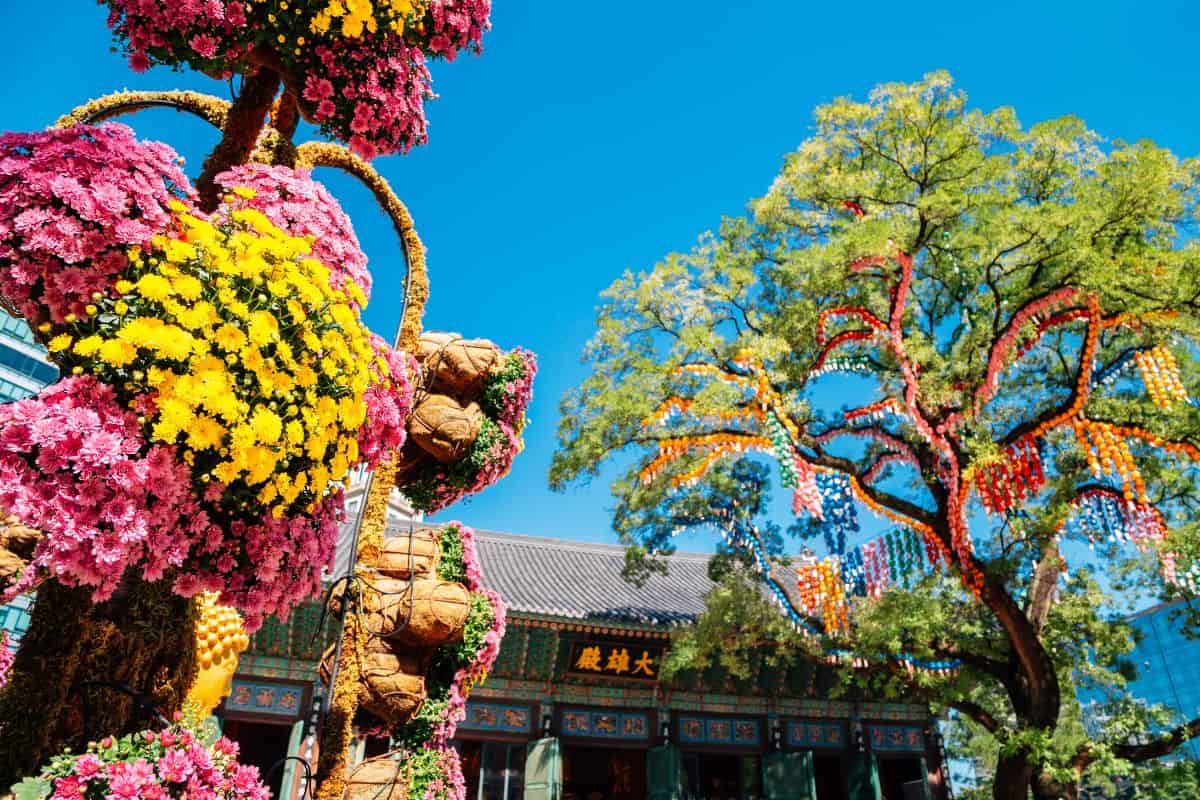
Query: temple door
[
  {"x": 789, "y": 776},
  {"x": 665, "y": 777},
  {"x": 864, "y": 777},
  {"x": 543, "y": 770},
  {"x": 288, "y": 784}
]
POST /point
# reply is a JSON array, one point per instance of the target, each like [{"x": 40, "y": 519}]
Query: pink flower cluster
[
  {"x": 466, "y": 678},
  {"x": 369, "y": 93},
  {"x": 449, "y": 783},
  {"x": 155, "y": 766},
  {"x": 71, "y": 201},
  {"x": 300, "y": 206},
  {"x": 6, "y": 657},
  {"x": 368, "y": 90},
  {"x": 74, "y": 464},
  {"x": 455, "y": 25},
  {"x": 472, "y": 566},
  {"x": 389, "y": 401},
  {"x": 208, "y": 34},
  {"x": 267, "y": 567},
  {"x": 517, "y": 393}
]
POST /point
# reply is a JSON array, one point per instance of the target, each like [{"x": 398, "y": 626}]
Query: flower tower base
[{"x": 144, "y": 638}]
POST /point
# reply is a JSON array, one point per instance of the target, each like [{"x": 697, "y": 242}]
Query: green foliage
[
  {"x": 32, "y": 789},
  {"x": 739, "y": 627},
  {"x": 997, "y": 218},
  {"x": 1167, "y": 781},
  {"x": 452, "y": 565}
]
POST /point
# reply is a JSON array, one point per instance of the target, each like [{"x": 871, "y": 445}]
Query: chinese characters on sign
[
  {"x": 903, "y": 738},
  {"x": 265, "y": 697},
  {"x": 631, "y": 726},
  {"x": 718, "y": 730},
  {"x": 615, "y": 660}
]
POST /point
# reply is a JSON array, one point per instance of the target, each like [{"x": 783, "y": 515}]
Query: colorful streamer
[
  {"x": 1105, "y": 511},
  {"x": 1107, "y": 450},
  {"x": 840, "y": 514},
  {"x": 894, "y": 559}
]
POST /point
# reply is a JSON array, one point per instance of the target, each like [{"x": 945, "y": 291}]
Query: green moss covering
[{"x": 144, "y": 638}]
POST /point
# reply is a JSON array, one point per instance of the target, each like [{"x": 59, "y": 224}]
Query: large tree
[{"x": 1017, "y": 308}]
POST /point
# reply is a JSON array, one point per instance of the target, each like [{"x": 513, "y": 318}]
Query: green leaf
[{"x": 32, "y": 789}]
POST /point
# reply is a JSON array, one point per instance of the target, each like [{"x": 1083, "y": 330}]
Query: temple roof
[{"x": 573, "y": 580}]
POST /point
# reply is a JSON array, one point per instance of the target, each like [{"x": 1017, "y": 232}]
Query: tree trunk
[
  {"x": 1011, "y": 781},
  {"x": 243, "y": 124},
  {"x": 1047, "y": 787},
  {"x": 143, "y": 638}
]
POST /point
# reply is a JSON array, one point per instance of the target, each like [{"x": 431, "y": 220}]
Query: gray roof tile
[{"x": 582, "y": 580}]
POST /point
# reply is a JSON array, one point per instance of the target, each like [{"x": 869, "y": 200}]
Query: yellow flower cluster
[
  {"x": 355, "y": 16},
  {"x": 255, "y": 363}
]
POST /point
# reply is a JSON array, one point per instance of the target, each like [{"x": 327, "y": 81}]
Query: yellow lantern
[{"x": 220, "y": 638}]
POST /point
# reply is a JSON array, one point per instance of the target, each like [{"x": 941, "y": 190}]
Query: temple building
[{"x": 575, "y": 707}]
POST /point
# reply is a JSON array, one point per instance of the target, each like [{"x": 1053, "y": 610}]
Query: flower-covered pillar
[
  {"x": 218, "y": 382},
  {"x": 407, "y": 661},
  {"x": 72, "y": 641}
]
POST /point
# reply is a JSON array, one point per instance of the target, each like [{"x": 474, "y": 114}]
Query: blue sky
[{"x": 588, "y": 139}]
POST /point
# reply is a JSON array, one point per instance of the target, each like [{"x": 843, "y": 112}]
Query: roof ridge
[{"x": 600, "y": 548}]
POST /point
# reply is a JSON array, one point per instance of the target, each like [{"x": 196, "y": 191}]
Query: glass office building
[
  {"x": 24, "y": 370},
  {"x": 1168, "y": 671}
]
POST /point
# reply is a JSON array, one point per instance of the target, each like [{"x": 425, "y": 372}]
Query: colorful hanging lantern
[
  {"x": 1107, "y": 450},
  {"x": 1160, "y": 374},
  {"x": 1016, "y": 477}
]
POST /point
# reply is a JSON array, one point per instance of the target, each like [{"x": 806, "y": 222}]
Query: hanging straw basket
[
  {"x": 17, "y": 543},
  {"x": 444, "y": 428},
  {"x": 379, "y": 778},
  {"x": 457, "y": 366},
  {"x": 421, "y": 613},
  {"x": 409, "y": 554},
  {"x": 394, "y": 685}
]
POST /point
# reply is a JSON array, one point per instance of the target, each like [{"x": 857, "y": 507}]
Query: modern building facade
[
  {"x": 1168, "y": 671},
  {"x": 24, "y": 371},
  {"x": 575, "y": 706}
]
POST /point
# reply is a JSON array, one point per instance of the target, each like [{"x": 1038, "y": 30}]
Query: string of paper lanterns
[
  {"x": 894, "y": 558},
  {"x": 1017, "y": 476},
  {"x": 840, "y": 515},
  {"x": 1160, "y": 373}
]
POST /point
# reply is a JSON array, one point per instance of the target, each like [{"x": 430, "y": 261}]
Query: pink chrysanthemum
[
  {"x": 74, "y": 464},
  {"x": 71, "y": 202}
]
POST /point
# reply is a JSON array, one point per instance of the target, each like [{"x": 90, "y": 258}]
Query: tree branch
[{"x": 1146, "y": 751}]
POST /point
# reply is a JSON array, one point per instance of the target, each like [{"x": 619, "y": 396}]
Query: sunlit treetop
[
  {"x": 983, "y": 332},
  {"x": 357, "y": 67}
]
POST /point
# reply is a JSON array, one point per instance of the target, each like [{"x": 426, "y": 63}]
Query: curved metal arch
[{"x": 416, "y": 281}]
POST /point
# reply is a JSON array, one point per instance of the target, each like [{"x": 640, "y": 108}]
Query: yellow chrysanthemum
[{"x": 258, "y": 364}]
